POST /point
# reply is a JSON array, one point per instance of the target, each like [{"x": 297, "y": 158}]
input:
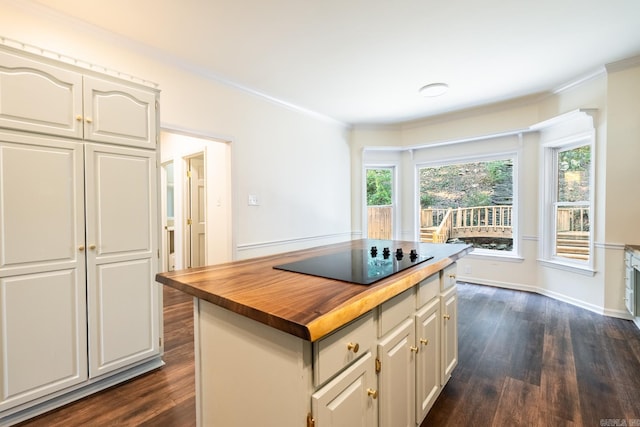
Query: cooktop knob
[{"x": 374, "y": 251}]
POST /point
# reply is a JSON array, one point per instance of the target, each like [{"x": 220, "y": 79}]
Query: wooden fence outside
[{"x": 380, "y": 222}]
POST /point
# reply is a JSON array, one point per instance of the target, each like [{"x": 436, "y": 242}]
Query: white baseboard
[{"x": 555, "y": 295}]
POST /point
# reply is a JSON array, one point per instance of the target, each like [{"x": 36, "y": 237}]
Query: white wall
[{"x": 297, "y": 164}]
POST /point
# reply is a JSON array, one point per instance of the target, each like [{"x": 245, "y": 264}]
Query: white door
[
  {"x": 349, "y": 400},
  {"x": 42, "y": 268},
  {"x": 119, "y": 114},
  {"x": 122, "y": 256},
  {"x": 197, "y": 212},
  {"x": 449, "y": 352},
  {"x": 397, "y": 377},
  {"x": 38, "y": 97},
  {"x": 428, "y": 360}
]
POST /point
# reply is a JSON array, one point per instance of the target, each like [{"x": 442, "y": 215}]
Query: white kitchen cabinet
[
  {"x": 449, "y": 354},
  {"x": 123, "y": 302},
  {"x": 119, "y": 114},
  {"x": 419, "y": 349},
  {"x": 428, "y": 370},
  {"x": 397, "y": 378},
  {"x": 350, "y": 399},
  {"x": 629, "y": 285},
  {"x": 79, "y": 306},
  {"x": 43, "y": 326},
  {"x": 36, "y": 95}
]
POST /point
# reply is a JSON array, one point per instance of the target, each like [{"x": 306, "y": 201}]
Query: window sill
[
  {"x": 501, "y": 256},
  {"x": 585, "y": 270}
]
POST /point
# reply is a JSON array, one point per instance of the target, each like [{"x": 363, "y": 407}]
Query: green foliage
[
  {"x": 577, "y": 159},
  {"x": 379, "y": 187},
  {"x": 574, "y": 168},
  {"x": 467, "y": 184},
  {"x": 476, "y": 198}
]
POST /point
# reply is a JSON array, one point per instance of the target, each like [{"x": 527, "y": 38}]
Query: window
[
  {"x": 379, "y": 203},
  {"x": 567, "y": 188},
  {"x": 470, "y": 202},
  {"x": 569, "y": 208}
]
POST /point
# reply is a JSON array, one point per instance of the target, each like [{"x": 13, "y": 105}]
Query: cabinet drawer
[
  {"x": 332, "y": 353},
  {"x": 428, "y": 289},
  {"x": 448, "y": 278},
  {"x": 397, "y": 309}
]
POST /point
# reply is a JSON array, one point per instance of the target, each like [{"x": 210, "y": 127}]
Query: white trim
[
  {"x": 276, "y": 243},
  {"x": 613, "y": 246},
  {"x": 564, "y": 132},
  {"x": 573, "y": 268},
  {"x": 600, "y": 71},
  {"x": 623, "y": 64},
  {"x": 545, "y": 292},
  {"x": 564, "y": 118},
  {"x": 497, "y": 256},
  {"x": 44, "y": 53},
  {"x": 446, "y": 142}
]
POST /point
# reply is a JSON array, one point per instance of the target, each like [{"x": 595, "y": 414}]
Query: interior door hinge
[
  {"x": 189, "y": 221},
  {"x": 160, "y": 341},
  {"x": 158, "y": 253},
  {"x": 378, "y": 365},
  {"x": 311, "y": 422},
  {"x": 189, "y": 174}
]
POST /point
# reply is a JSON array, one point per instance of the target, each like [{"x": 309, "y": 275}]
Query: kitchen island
[{"x": 288, "y": 349}]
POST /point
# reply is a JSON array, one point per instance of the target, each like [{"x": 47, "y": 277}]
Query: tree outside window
[{"x": 380, "y": 203}]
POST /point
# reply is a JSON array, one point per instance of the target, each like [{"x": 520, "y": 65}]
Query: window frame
[
  {"x": 394, "y": 197},
  {"x": 514, "y": 156},
  {"x": 549, "y": 202}
]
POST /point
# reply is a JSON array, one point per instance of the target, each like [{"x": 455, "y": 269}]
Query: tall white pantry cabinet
[{"x": 79, "y": 306}]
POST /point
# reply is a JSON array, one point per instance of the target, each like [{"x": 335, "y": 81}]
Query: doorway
[
  {"x": 196, "y": 200},
  {"x": 195, "y": 211}
]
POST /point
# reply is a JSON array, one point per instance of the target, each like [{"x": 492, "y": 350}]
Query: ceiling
[{"x": 363, "y": 61}]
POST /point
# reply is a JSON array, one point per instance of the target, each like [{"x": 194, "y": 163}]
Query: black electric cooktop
[{"x": 360, "y": 266}]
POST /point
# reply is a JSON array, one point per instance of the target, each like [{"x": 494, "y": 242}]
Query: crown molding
[{"x": 623, "y": 64}]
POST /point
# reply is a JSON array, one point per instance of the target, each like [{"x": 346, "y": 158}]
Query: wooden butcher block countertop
[{"x": 306, "y": 306}]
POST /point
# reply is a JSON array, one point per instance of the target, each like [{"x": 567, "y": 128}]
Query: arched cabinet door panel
[
  {"x": 119, "y": 114},
  {"x": 38, "y": 97}
]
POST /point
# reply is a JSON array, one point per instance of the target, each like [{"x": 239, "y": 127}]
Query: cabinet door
[
  {"x": 350, "y": 399},
  {"x": 397, "y": 352},
  {"x": 428, "y": 360},
  {"x": 38, "y": 97},
  {"x": 119, "y": 114},
  {"x": 629, "y": 299},
  {"x": 42, "y": 268},
  {"x": 123, "y": 297},
  {"x": 449, "y": 351}
]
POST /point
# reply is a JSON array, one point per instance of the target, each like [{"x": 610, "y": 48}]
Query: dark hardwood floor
[
  {"x": 524, "y": 360},
  {"x": 529, "y": 360}
]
